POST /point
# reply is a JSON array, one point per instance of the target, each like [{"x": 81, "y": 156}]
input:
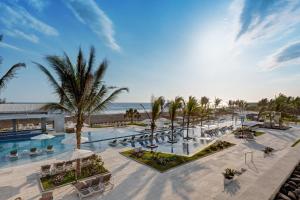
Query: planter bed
[
  {"x": 58, "y": 180},
  {"x": 165, "y": 161}
]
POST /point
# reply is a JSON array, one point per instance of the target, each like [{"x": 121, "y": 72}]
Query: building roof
[{"x": 24, "y": 108}]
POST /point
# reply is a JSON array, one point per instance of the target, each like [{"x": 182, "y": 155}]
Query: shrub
[
  {"x": 49, "y": 147},
  {"x": 268, "y": 150},
  {"x": 33, "y": 149},
  {"x": 229, "y": 173},
  {"x": 13, "y": 152}
]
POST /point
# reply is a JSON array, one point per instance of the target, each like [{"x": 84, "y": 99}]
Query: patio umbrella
[
  {"x": 42, "y": 137},
  {"x": 72, "y": 140},
  {"x": 76, "y": 154}
]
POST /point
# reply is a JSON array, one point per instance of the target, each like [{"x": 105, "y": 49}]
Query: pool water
[{"x": 23, "y": 147}]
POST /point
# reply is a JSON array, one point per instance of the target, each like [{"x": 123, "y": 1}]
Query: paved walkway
[{"x": 201, "y": 179}]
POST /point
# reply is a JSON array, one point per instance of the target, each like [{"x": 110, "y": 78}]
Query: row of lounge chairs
[
  {"x": 66, "y": 166},
  {"x": 143, "y": 138},
  {"x": 216, "y": 131},
  {"x": 99, "y": 185},
  {"x": 32, "y": 152}
]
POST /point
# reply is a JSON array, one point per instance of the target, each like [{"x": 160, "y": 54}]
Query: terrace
[{"x": 199, "y": 178}]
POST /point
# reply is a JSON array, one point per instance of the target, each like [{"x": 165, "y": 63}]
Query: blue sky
[{"x": 229, "y": 49}]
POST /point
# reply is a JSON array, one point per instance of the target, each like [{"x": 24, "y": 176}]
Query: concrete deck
[{"x": 201, "y": 179}]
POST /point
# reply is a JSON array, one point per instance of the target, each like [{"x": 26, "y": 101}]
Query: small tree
[
  {"x": 132, "y": 114},
  {"x": 157, "y": 107},
  {"x": 174, "y": 107},
  {"x": 191, "y": 107}
]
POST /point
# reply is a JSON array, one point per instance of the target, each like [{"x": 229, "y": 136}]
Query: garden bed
[
  {"x": 165, "y": 161},
  {"x": 58, "y": 180},
  {"x": 247, "y": 132}
]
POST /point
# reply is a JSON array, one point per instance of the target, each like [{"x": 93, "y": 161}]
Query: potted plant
[
  {"x": 14, "y": 153},
  {"x": 228, "y": 176},
  {"x": 49, "y": 148},
  {"x": 268, "y": 150}
]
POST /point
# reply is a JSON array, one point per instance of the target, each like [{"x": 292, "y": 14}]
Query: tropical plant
[
  {"x": 262, "y": 106},
  {"x": 11, "y": 73},
  {"x": 216, "y": 104},
  {"x": 174, "y": 106},
  {"x": 80, "y": 88},
  {"x": 132, "y": 114},
  {"x": 204, "y": 101},
  {"x": 157, "y": 107},
  {"x": 191, "y": 107},
  {"x": 231, "y": 104}
]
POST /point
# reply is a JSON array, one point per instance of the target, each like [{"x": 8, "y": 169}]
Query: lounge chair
[
  {"x": 90, "y": 187},
  {"x": 96, "y": 186},
  {"x": 58, "y": 167},
  {"x": 13, "y": 154},
  {"x": 107, "y": 182},
  {"x": 85, "y": 162},
  {"x": 124, "y": 141},
  {"x": 132, "y": 139},
  {"x": 45, "y": 170},
  {"x": 113, "y": 143},
  {"x": 47, "y": 196},
  {"x": 49, "y": 149},
  {"x": 69, "y": 165},
  {"x": 82, "y": 189},
  {"x": 33, "y": 151}
]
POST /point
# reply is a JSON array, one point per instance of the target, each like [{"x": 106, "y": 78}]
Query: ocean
[{"x": 116, "y": 108}]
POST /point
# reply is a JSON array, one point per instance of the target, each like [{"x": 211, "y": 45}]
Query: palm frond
[
  {"x": 102, "y": 105},
  {"x": 11, "y": 73}
]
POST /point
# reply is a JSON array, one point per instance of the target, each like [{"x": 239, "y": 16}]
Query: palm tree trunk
[
  {"x": 152, "y": 132},
  {"x": 187, "y": 126},
  {"x": 172, "y": 128},
  {"x": 79, "y": 125}
]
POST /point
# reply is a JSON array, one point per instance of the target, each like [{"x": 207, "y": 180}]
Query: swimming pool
[{"x": 106, "y": 134}]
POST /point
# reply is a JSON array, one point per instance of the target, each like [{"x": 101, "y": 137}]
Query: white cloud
[
  {"x": 20, "y": 23},
  {"x": 90, "y": 14},
  {"x": 5, "y": 45},
  {"x": 39, "y": 5},
  {"x": 285, "y": 56},
  {"x": 266, "y": 19},
  {"x": 20, "y": 34}
]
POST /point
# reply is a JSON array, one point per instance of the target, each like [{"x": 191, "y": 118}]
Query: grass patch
[
  {"x": 258, "y": 133},
  {"x": 53, "y": 181},
  {"x": 295, "y": 143},
  {"x": 165, "y": 161}
]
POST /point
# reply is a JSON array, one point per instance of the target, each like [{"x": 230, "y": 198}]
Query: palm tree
[
  {"x": 157, "y": 107},
  {"x": 174, "y": 106},
  {"x": 204, "y": 101},
  {"x": 231, "y": 108},
  {"x": 262, "y": 106},
  {"x": 242, "y": 105},
  {"x": 132, "y": 114},
  {"x": 192, "y": 107},
  {"x": 216, "y": 104},
  {"x": 79, "y": 87},
  {"x": 11, "y": 73}
]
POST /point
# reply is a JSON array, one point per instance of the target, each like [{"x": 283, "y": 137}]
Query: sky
[{"x": 240, "y": 49}]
